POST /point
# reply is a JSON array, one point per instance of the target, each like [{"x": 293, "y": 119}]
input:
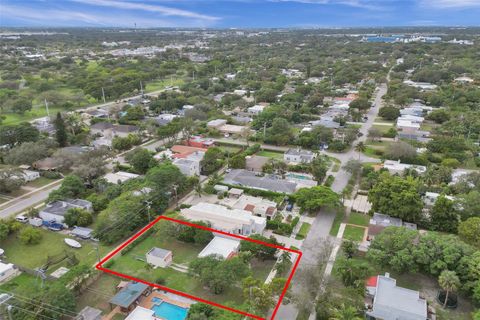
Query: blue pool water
[{"x": 169, "y": 311}]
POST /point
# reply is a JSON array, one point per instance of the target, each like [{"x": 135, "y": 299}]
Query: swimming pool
[
  {"x": 296, "y": 176},
  {"x": 169, "y": 311}
]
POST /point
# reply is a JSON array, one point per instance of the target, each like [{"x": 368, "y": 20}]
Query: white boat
[{"x": 72, "y": 243}]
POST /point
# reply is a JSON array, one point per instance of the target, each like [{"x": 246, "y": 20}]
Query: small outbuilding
[
  {"x": 7, "y": 271},
  {"x": 222, "y": 247},
  {"x": 159, "y": 257},
  {"x": 235, "y": 193}
]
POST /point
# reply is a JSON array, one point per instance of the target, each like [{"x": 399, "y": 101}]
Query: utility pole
[
  {"x": 141, "y": 88},
  {"x": 148, "y": 204},
  {"x": 264, "y": 129},
  {"x": 46, "y": 107},
  {"x": 9, "y": 310},
  {"x": 193, "y": 75},
  {"x": 103, "y": 95}
]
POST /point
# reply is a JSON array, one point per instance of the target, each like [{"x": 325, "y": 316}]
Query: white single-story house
[
  {"x": 431, "y": 197},
  {"x": 159, "y": 257},
  {"x": 256, "y": 109},
  {"x": 119, "y": 177},
  {"x": 29, "y": 175},
  {"x": 141, "y": 313},
  {"x": 234, "y": 221},
  {"x": 8, "y": 271},
  {"x": 221, "y": 246},
  {"x": 396, "y": 167},
  {"x": 216, "y": 124}
]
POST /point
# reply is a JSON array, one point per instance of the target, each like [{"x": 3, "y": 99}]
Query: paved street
[
  {"x": 26, "y": 201},
  {"x": 320, "y": 230}
]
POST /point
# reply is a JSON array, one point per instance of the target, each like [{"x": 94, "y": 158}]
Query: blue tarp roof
[{"x": 129, "y": 294}]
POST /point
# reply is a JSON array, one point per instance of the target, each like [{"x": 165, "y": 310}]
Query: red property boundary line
[{"x": 100, "y": 267}]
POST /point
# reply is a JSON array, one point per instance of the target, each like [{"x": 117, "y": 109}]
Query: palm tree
[
  {"x": 449, "y": 282},
  {"x": 345, "y": 313},
  {"x": 360, "y": 147}
]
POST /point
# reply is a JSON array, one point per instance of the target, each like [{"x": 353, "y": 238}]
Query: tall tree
[
  {"x": 396, "y": 196},
  {"x": 449, "y": 282},
  {"x": 61, "y": 131}
]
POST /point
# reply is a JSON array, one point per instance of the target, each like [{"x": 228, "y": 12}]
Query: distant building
[
  {"x": 216, "y": 124},
  {"x": 393, "y": 302},
  {"x": 119, "y": 177},
  {"x": 381, "y": 221},
  {"x": 249, "y": 179},
  {"x": 425, "y": 86},
  {"x": 29, "y": 175},
  {"x": 47, "y": 164},
  {"x": 200, "y": 142},
  {"x": 256, "y": 109},
  {"x": 256, "y": 205},
  {"x": 190, "y": 165},
  {"x": 396, "y": 167},
  {"x": 159, "y": 257},
  {"x": 234, "y": 221},
  {"x": 56, "y": 210},
  {"x": 7, "y": 271},
  {"x": 298, "y": 156},
  {"x": 430, "y": 198}
]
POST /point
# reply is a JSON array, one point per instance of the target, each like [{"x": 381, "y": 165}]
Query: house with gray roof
[
  {"x": 393, "y": 302},
  {"x": 381, "y": 221},
  {"x": 56, "y": 210},
  {"x": 159, "y": 257},
  {"x": 250, "y": 179},
  {"x": 298, "y": 155}
]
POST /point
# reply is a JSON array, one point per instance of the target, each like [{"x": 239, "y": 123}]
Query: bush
[
  {"x": 30, "y": 236},
  {"x": 109, "y": 264},
  {"x": 51, "y": 174}
]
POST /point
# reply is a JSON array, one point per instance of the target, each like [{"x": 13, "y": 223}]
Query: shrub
[{"x": 30, "y": 236}]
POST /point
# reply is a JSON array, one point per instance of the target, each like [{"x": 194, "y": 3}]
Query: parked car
[{"x": 21, "y": 218}]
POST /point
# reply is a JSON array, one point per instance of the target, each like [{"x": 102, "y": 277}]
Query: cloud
[
  {"x": 450, "y": 4},
  {"x": 363, "y": 4},
  {"x": 56, "y": 17},
  {"x": 163, "y": 10}
]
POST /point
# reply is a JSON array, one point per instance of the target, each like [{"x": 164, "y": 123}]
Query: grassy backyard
[
  {"x": 271, "y": 154},
  {"x": 51, "y": 244},
  {"x": 359, "y": 219},
  {"x": 133, "y": 263},
  {"x": 353, "y": 233}
]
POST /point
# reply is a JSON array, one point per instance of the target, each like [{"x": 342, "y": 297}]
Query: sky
[{"x": 238, "y": 13}]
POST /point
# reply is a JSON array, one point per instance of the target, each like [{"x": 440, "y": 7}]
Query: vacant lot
[{"x": 271, "y": 154}]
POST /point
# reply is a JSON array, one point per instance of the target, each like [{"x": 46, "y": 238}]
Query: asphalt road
[{"x": 320, "y": 231}]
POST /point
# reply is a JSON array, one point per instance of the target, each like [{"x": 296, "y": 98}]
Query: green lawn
[
  {"x": 23, "y": 285},
  {"x": 359, "y": 219},
  {"x": 40, "y": 182},
  {"x": 37, "y": 112},
  {"x": 353, "y": 233},
  {"x": 133, "y": 263},
  {"x": 302, "y": 233},
  {"x": 271, "y": 154},
  {"x": 33, "y": 256},
  {"x": 231, "y": 149},
  {"x": 161, "y": 84}
]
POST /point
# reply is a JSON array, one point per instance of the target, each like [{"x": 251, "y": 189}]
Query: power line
[{"x": 50, "y": 307}]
